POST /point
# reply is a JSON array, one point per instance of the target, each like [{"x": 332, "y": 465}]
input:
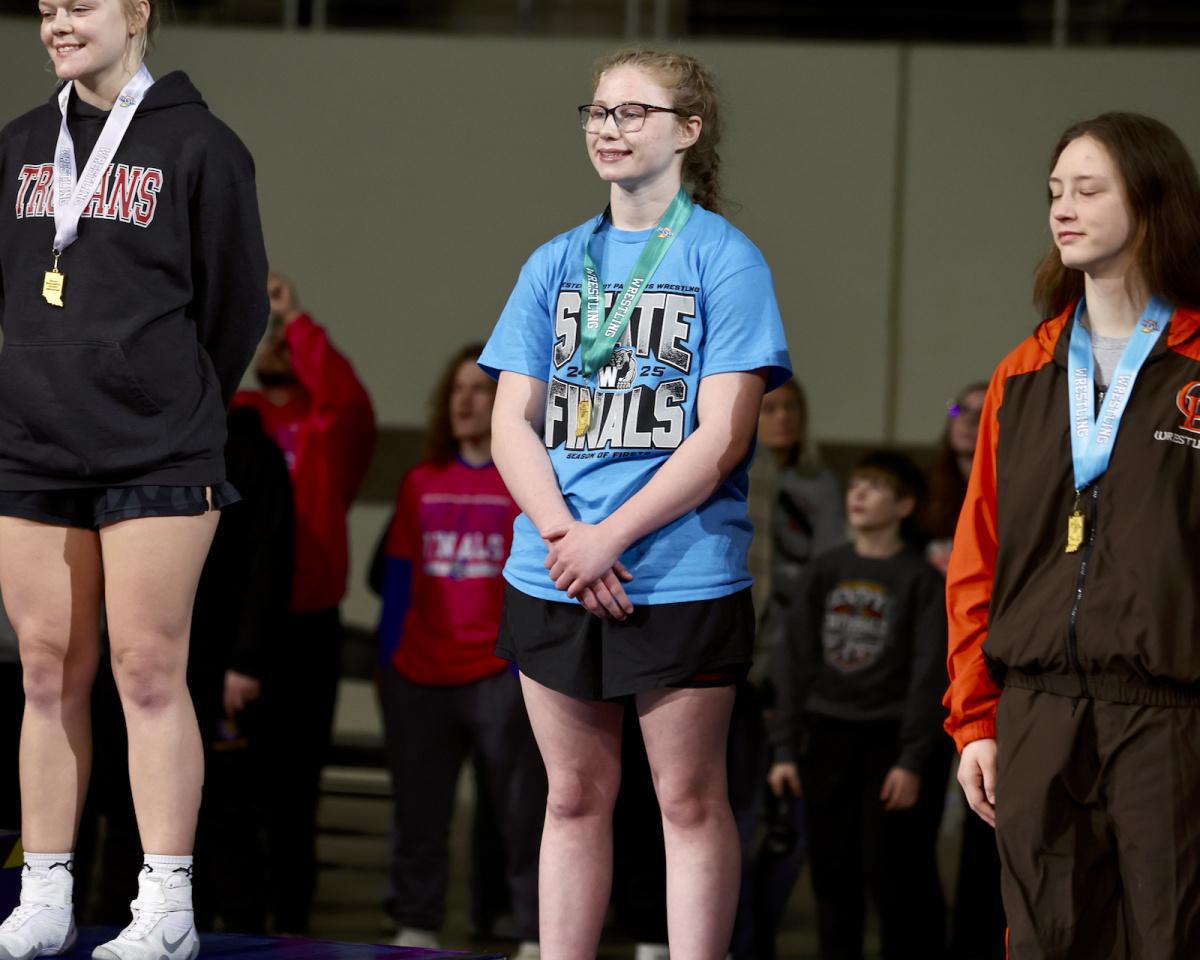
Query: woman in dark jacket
[{"x": 133, "y": 282}]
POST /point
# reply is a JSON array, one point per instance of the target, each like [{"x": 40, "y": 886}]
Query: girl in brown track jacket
[{"x": 1074, "y": 661}]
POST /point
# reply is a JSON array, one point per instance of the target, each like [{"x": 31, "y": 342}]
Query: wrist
[
  {"x": 553, "y": 527},
  {"x": 619, "y": 533}
]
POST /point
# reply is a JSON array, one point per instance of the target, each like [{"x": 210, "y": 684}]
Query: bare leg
[
  {"x": 685, "y": 733},
  {"x": 152, "y": 566},
  {"x": 580, "y": 742},
  {"x": 51, "y": 580}
]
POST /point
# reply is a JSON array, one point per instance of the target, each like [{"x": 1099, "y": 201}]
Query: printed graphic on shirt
[
  {"x": 465, "y": 535},
  {"x": 855, "y": 627},
  {"x": 125, "y": 193},
  {"x": 1188, "y": 402},
  {"x": 638, "y": 400}
]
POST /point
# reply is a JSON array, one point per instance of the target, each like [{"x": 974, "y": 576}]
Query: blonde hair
[
  {"x": 150, "y": 29},
  {"x": 695, "y": 93}
]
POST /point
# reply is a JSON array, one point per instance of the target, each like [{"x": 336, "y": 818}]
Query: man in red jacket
[{"x": 314, "y": 406}]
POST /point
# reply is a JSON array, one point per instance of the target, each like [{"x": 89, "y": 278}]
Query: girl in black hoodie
[{"x": 132, "y": 292}]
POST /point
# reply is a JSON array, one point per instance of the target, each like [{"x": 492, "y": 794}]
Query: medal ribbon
[
  {"x": 599, "y": 335},
  {"x": 1092, "y": 439},
  {"x": 70, "y": 197}
]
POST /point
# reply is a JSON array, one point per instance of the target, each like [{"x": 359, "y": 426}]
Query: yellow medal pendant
[
  {"x": 1074, "y": 532},
  {"x": 583, "y": 419},
  {"x": 52, "y": 285}
]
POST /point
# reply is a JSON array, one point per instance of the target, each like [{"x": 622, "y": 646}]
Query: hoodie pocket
[{"x": 82, "y": 410}]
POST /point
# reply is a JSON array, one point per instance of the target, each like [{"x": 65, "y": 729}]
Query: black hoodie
[{"x": 165, "y": 298}]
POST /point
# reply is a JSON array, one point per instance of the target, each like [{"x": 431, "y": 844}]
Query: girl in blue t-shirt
[{"x": 632, "y": 357}]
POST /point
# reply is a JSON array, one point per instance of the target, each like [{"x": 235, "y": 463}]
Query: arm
[
  {"x": 973, "y": 694},
  {"x": 518, "y": 418},
  {"x": 397, "y": 598},
  {"x": 794, "y": 663},
  {"x": 229, "y": 276},
  {"x": 268, "y": 584},
  {"x": 727, "y": 407},
  {"x": 921, "y": 723},
  {"x": 341, "y": 407},
  {"x": 377, "y": 572},
  {"x": 399, "y": 549}
]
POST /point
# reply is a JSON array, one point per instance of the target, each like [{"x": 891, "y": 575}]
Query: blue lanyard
[{"x": 1092, "y": 439}]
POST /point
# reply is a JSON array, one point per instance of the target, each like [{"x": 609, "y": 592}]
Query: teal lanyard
[
  {"x": 1092, "y": 437},
  {"x": 600, "y": 334}
]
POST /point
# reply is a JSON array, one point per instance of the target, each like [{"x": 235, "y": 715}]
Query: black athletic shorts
[
  {"x": 701, "y": 643},
  {"x": 93, "y": 507}
]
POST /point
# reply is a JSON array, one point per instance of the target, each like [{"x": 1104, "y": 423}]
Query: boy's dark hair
[{"x": 895, "y": 469}]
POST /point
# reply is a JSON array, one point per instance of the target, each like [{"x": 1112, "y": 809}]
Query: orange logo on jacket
[{"x": 1188, "y": 402}]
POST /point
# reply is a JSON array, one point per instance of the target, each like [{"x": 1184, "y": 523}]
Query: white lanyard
[{"x": 70, "y": 196}]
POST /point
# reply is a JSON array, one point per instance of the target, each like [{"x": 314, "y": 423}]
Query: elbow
[{"x": 735, "y": 450}]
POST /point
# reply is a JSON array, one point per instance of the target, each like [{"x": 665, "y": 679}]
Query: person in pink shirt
[
  {"x": 448, "y": 694},
  {"x": 318, "y": 412}
]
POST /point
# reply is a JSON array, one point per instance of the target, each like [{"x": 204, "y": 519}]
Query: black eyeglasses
[{"x": 629, "y": 117}]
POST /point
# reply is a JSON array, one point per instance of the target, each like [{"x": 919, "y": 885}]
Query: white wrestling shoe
[
  {"x": 416, "y": 937},
  {"x": 44, "y": 923},
  {"x": 37, "y": 930},
  {"x": 163, "y": 926}
]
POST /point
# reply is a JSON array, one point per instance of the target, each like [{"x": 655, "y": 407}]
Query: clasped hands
[{"x": 584, "y": 561}]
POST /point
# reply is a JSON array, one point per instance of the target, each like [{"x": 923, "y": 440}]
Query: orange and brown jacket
[{"x": 1118, "y": 620}]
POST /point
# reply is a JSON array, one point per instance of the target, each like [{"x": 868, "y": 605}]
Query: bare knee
[
  {"x": 579, "y": 793},
  {"x": 149, "y": 676},
  {"x": 691, "y": 803},
  {"x": 50, "y": 676}
]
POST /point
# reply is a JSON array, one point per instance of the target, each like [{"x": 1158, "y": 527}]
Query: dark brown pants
[{"x": 1098, "y": 824}]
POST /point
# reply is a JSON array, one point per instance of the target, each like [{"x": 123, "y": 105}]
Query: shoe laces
[
  {"x": 20, "y": 915},
  {"x": 145, "y": 916}
]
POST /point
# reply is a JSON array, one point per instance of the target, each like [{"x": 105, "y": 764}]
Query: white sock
[
  {"x": 173, "y": 878},
  {"x": 48, "y": 878},
  {"x": 167, "y": 865},
  {"x": 43, "y": 862}
]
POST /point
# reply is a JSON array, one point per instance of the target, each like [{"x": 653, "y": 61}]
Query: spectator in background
[
  {"x": 806, "y": 514},
  {"x": 947, "y": 478},
  {"x": 12, "y": 705},
  {"x": 315, "y": 408},
  {"x": 799, "y": 516},
  {"x": 857, "y": 730},
  {"x": 237, "y": 638},
  {"x": 448, "y": 694},
  {"x": 977, "y": 925}
]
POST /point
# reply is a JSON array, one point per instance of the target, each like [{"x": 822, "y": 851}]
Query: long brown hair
[
  {"x": 802, "y": 455},
  {"x": 440, "y": 445},
  {"x": 947, "y": 487},
  {"x": 1163, "y": 193},
  {"x": 695, "y": 93}
]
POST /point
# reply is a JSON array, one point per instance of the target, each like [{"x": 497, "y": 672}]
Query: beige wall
[
  {"x": 403, "y": 180},
  {"x": 982, "y": 123}
]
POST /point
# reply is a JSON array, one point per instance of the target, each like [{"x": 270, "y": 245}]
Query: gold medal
[
  {"x": 583, "y": 419},
  {"x": 1074, "y": 532},
  {"x": 52, "y": 285}
]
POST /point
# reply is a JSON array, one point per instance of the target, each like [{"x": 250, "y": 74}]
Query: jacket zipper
[{"x": 1080, "y": 583}]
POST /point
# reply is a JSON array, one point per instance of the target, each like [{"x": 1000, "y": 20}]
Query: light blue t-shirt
[{"x": 709, "y": 308}]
